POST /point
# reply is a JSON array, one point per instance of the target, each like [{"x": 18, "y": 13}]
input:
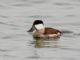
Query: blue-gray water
[{"x": 17, "y": 16}]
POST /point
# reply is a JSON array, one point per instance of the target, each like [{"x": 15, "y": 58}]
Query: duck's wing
[{"x": 51, "y": 31}]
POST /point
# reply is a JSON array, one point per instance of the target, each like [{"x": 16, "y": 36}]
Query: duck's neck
[{"x": 41, "y": 31}]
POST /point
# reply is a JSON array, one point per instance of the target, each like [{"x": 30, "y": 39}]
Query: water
[{"x": 17, "y": 16}]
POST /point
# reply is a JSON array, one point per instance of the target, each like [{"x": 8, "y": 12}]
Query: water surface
[{"x": 17, "y": 16}]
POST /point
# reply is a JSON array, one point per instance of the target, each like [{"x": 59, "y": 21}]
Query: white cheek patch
[{"x": 39, "y": 26}]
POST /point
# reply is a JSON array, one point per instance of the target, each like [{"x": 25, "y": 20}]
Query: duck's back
[{"x": 51, "y": 31}]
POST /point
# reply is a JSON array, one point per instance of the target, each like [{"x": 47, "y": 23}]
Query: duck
[{"x": 39, "y": 30}]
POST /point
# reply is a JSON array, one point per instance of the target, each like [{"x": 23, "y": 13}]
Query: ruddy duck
[{"x": 39, "y": 30}]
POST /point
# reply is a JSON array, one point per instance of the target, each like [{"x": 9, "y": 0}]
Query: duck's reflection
[{"x": 46, "y": 42}]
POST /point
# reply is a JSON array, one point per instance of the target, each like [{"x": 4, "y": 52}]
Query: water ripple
[
  {"x": 3, "y": 16},
  {"x": 20, "y": 4},
  {"x": 67, "y": 4},
  {"x": 7, "y": 55},
  {"x": 13, "y": 36},
  {"x": 6, "y": 37},
  {"x": 70, "y": 15},
  {"x": 61, "y": 4},
  {"x": 33, "y": 57},
  {"x": 67, "y": 32},
  {"x": 71, "y": 49},
  {"x": 8, "y": 24},
  {"x": 21, "y": 0},
  {"x": 4, "y": 50},
  {"x": 38, "y": 2},
  {"x": 70, "y": 34},
  {"x": 39, "y": 16}
]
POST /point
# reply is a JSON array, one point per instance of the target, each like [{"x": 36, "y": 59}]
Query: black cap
[{"x": 38, "y": 22}]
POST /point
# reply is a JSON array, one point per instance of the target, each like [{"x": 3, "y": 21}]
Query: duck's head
[{"x": 37, "y": 25}]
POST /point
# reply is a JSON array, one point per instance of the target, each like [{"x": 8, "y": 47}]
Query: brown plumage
[{"x": 51, "y": 31}]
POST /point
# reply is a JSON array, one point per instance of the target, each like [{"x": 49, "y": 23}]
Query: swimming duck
[{"x": 39, "y": 30}]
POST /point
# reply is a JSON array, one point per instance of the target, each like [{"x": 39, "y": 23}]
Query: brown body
[{"x": 49, "y": 32}]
